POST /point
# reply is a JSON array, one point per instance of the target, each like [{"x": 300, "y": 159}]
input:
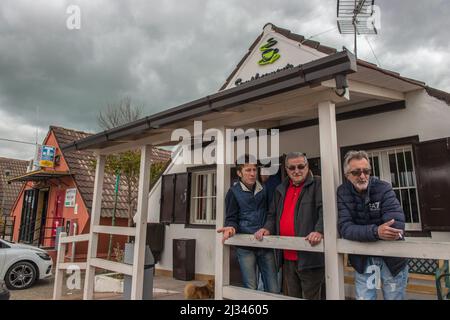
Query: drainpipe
[{"x": 113, "y": 222}]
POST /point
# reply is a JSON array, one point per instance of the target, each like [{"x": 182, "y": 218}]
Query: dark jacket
[
  {"x": 360, "y": 216},
  {"x": 246, "y": 210},
  {"x": 308, "y": 218}
]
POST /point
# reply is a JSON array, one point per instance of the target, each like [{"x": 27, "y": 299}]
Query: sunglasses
[
  {"x": 299, "y": 167},
  {"x": 357, "y": 173}
]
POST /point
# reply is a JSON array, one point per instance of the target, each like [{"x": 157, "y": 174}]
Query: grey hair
[
  {"x": 295, "y": 155},
  {"x": 351, "y": 155}
]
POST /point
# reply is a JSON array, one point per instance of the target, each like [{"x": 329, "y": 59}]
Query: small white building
[{"x": 401, "y": 122}]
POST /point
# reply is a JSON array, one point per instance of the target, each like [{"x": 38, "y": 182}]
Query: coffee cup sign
[{"x": 268, "y": 54}]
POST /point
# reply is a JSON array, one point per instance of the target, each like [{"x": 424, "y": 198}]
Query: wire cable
[
  {"x": 318, "y": 34},
  {"x": 373, "y": 52},
  {"x": 17, "y": 141}
]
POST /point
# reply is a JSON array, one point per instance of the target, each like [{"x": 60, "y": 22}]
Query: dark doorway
[
  {"x": 28, "y": 220},
  {"x": 41, "y": 218},
  {"x": 34, "y": 215}
]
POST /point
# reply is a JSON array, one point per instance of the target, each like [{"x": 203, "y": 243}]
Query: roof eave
[{"x": 312, "y": 72}]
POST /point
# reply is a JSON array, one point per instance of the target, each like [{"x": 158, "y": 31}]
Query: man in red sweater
[{"x": 297, "y": 212}]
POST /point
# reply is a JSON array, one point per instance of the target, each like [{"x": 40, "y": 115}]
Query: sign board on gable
[
  {"x": 70, "y": 198},
  {"x": 47, "y": 156}
]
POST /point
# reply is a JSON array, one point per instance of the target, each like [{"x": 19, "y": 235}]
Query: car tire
[{"x": 21, "y": 275}]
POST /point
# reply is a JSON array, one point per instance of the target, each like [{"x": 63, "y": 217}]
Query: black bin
[
  {"x": 184, "y": 259},
  {"x": 155, "y": 239}
]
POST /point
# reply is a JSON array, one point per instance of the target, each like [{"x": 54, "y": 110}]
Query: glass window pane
[
  {"x": 397, "y": 194},
  {"x": 375, "y": 164},
  {"x": 198, "y": 213},
  {"x": 414, "y": 206},
  {"x": 214, "y": 185},
  {"x": 409, "y": 168},
  {"x": 204, "y": 185},
  {"x": 402, "y": 169},
  {"x": 213, "y": 216},
  {"x": 406, "y": 206},
  {"x": 203, "y": 209},
  {"x": 199, "y": 186},
  {"x": 393, "y": 170}
]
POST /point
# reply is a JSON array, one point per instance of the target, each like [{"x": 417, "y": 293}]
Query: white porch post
[
  {"x": 334, "y": 265},
  {"x": 222, "y": 252},
  {"x": 95, "y": 220},
  {"x": 137, "y": 282}
]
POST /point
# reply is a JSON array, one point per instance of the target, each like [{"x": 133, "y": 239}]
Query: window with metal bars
[
  {"x": 396, "y": 166},
  {"x": 203, "y": 197}
]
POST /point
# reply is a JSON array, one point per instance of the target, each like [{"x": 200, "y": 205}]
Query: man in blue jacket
[
  {"x": 246, "y": 212},
  {"x": 369, "y": 211}
]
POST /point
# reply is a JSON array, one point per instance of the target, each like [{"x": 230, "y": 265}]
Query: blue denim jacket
[{"x": 246, "y": 210}]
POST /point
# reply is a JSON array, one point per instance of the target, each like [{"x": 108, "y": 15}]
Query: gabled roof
[
  {"x": 439, "y": 94},
  {"x": 81, "y": 167},
  {"x": 319, "y": 47},
  {"x": 288, "y": 34},
  {"x": 9, "y": 192}
]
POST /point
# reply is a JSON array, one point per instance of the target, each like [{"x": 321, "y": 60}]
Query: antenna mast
[{"x": 355, "y": 17}]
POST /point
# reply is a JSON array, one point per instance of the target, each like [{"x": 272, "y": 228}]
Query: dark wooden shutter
[
  {"x": 182, "y": 197},
  {"x": 314, "y": 166},
  {"x": 433, "y": 173},
  {"x": 167, "y": 198}
]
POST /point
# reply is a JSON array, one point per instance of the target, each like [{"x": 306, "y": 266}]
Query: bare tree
[
  {"x": 117, "y": 114},
  {"x": 125, "y": 166}
]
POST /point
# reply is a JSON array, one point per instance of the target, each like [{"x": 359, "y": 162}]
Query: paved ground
[{"x": 165, "y": 288}]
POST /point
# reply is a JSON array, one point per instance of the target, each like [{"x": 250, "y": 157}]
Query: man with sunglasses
[
  {"x": 369, "y": 211},
  {"x": 296, "y": 211}
]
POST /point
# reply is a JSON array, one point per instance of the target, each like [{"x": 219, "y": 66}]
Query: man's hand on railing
[
  {"x": 314, "y": 238},
  {"x": 227, "y": 232},
  {"x": 259, "y": 235},
  {"x": 386, "y": 232}
]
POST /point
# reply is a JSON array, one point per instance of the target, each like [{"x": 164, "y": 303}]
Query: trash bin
[
  {"x": 184, "y": 259},
  {"x": 149, "y": 266},
  {"x": 155, "y": 239}
]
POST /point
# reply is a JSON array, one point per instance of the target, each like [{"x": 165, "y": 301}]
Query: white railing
[
  {"x": 61, "y": 265},
  {"x": 410, "y": 248}
]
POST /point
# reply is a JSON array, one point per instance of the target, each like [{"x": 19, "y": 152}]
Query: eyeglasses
[
  {"x": 299, "y": 167},
  {"x": 357, "y": 173}
]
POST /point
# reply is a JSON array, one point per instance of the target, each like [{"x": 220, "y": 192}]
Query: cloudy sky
[{"x": 164, "y": 53}]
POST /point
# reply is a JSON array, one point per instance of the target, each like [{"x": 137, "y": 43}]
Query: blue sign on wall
[{"x": 47, "y": 156}]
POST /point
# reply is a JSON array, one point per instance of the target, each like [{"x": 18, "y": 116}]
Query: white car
[{"x": 21, "y": 265}]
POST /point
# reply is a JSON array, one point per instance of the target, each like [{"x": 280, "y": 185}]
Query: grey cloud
[{"x": 164, "y": 53}]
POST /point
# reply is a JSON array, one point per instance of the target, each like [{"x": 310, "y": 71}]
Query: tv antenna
[{"x": 356, "y": 17}]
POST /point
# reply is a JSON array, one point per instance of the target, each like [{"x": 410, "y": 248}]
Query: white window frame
[
  {"x": 209, "y": 218},
  {"x": 385, "y": 174}
]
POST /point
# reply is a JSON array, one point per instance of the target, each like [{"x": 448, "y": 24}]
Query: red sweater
[{"x": 287, "y": 217}]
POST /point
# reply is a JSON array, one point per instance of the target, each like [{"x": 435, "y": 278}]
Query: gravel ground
[{"x": 165, "y": 288}]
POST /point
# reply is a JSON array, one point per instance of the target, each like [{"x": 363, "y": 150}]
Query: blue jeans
[
  {"x": 377, "y": 276},
  {"x": 262, "y": 259},
  {"x": 261, "y": 284}
]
